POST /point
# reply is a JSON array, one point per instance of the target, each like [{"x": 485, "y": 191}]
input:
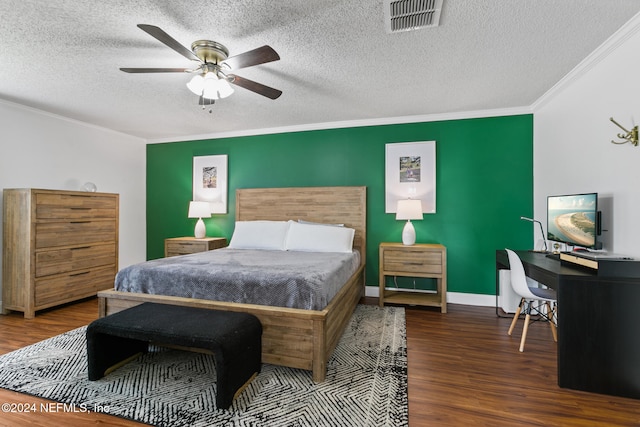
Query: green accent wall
[{"x": 484, "y": 173}]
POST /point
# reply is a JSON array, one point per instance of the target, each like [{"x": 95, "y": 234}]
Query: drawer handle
[
  {"x": 413, "y": 263},
  {"x": 79, "y": 209},
  {"x": 79, "y": 274},
  {"x": 81, "y": 247},
  {"x": 80, "y": 222}
]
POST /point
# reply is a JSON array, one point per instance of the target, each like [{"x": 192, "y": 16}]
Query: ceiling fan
[{"x": 211, "y": 77}]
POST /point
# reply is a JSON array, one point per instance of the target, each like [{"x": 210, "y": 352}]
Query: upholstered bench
[{"x": 235, "y": 339}]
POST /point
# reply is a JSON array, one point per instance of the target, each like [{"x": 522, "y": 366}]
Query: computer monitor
[{"x": 573, "y": 219}]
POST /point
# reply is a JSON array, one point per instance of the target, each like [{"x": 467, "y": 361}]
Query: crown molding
[
  {"x": 602, "y": 52},
  {"x": 352, "y": 124}
]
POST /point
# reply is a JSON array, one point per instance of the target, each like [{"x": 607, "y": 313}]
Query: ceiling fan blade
[
  {"x": 253, "y": 57},
  {"x": 258, "y": 88},
  {"x": 165, "y": 38},
  {"x": 155, "y": 70}
]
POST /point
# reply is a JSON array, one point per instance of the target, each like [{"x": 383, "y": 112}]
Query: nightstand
[
  {"x": 191, "y": 245},
  {"x": 419, "y": 260}
]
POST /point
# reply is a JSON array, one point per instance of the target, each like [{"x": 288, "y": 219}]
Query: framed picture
[
  {"x": 410, "y": 172},
  {"x": 210, "y": 181}
]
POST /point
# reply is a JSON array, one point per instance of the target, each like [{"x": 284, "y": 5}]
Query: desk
[{"x": 598, "y": 325}]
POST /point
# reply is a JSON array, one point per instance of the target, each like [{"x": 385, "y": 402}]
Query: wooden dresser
[{"x": 58, "y": 246}]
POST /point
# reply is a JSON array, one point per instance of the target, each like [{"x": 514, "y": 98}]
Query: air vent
[{"x": 409, "y": 15}]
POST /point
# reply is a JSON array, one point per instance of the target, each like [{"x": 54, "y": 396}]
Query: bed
[{"x": 293, "y": 337}]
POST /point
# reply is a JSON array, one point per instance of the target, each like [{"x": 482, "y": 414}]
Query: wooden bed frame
[{"x": 297, "y": 338}]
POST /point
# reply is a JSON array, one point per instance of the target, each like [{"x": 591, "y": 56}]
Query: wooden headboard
[{"x": 331, "y": 205}]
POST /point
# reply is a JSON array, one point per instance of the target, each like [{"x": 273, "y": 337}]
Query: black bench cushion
[{"x": 234, "y": 338}]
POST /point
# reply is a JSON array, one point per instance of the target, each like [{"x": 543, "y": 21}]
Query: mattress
[{"x": 305, "y": 280}]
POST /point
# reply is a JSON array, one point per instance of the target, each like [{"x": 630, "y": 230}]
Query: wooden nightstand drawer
[
  {"x": 414, "y": 261},
  {"x": 190, "y": 245}
]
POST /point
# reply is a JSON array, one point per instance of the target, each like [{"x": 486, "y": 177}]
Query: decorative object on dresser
[
  {"x": 58, "y": 246},
  {"x": 409, "y": 209},
  {"x": 419, "y": 260},
  {"x": 199, "y": 210},
  {"x": 190, "y": 245}
]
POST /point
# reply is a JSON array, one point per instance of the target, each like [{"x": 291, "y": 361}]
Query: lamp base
[
  {"x": 408, "y": 234},
  {"x": 200, "y": 230}
]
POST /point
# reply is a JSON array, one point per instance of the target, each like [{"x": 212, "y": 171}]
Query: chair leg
[
  {"x": 515, "y": 316},
  {"x": 524, "y": 330},
  {"x": 551, "y": 322}
]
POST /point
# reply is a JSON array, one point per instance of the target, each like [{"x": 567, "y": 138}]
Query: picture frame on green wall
[
  {"x": 210, "y": 181},
  {"x": 410, "y": 173}
]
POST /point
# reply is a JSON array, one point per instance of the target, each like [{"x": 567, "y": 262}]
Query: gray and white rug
[{"x": 366, "y": 382}]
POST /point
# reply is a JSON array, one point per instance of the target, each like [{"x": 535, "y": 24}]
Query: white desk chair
[{"x": 530, "y": 293}]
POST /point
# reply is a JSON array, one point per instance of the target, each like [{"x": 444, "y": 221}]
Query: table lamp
[
  {"x": 409, "y": 209},
  {"x": 199, "y": 210}
]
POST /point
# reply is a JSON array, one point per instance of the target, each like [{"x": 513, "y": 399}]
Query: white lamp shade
[
  {"x": 196, "y": 84},
  {"x": 210, "y": 86},
  {"x": 199, "y": 210},
  {"x": 409, "y": 209},
  {"x": 224, "y": 88}
]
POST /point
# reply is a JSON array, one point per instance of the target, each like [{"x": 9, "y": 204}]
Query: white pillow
[
  {"x": 260, "y": 235},
  {"x": 319, "y": 238}
]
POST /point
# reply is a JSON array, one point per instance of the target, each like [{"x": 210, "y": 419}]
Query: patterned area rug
[{"x": 366, "y": 382}]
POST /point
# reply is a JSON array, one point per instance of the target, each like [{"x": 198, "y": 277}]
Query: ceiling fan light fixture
[
  {"x": 210, "y": 86},
  {"x": 213, "y": 58},
  {"x": 224, "y": 88},
  {"x": 196, "y": 84}
]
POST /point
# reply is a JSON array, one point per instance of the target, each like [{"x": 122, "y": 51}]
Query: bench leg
[
  {"x": 105, "y": 351},
  {"x": 234, "y": 373}
]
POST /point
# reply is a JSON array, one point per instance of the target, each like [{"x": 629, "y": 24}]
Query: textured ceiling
[{"x": 338, "y": 63}]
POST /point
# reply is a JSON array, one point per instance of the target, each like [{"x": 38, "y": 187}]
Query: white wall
[
  {"x": 572, "y": 134},
  {"x": 40, "y": 150}
]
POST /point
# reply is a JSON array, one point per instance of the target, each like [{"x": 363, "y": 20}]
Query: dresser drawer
[
  {"x": 55, "y": 234},
  {"x": 69, "y": 287},
  {"x": 74, "y": 206},
  {"x": 412, "y": 261},
  {"x": 58, "y": 261}
]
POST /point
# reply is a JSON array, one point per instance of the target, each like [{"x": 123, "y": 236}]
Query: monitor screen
[{"x": 571, "y": 219}]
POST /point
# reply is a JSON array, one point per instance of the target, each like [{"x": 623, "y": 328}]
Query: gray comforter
[{"x": 307, "y": 280}]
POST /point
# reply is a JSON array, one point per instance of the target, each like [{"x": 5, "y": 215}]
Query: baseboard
[{"x": 452, "y": 297}]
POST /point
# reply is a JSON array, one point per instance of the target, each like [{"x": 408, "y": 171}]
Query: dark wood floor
[{"x": 463, "y": 370}]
